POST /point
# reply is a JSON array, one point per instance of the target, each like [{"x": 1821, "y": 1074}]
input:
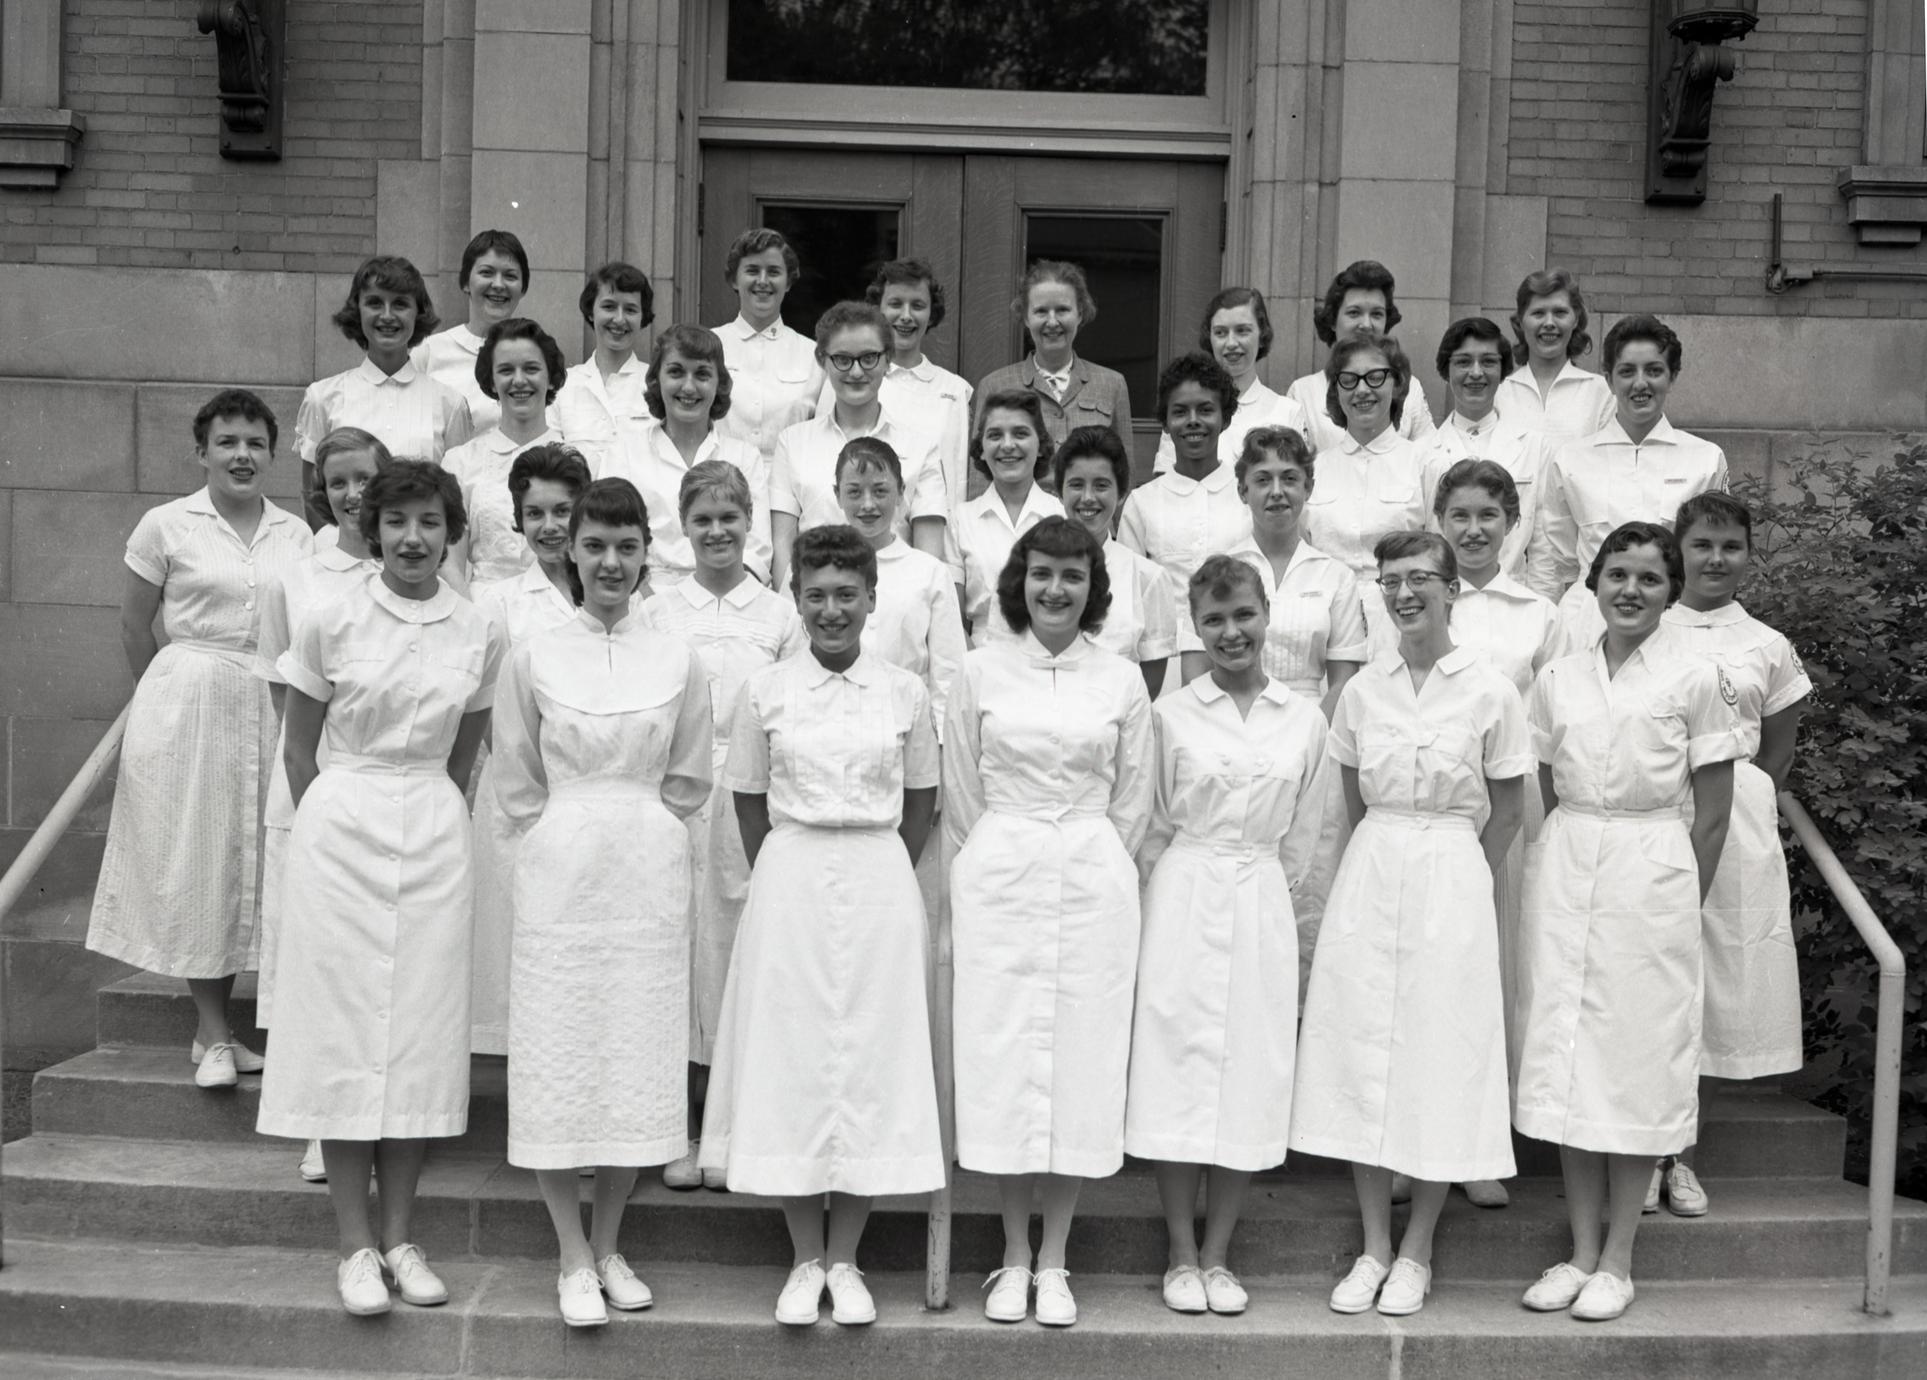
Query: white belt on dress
[
  {"x": 608, "y": 787},
  {"x": 1601, "y": 812},
  {"x": 1419, "y": 819},
  {"x": 1218, "y": 848},
  {"x": 354, "y": 761},
  {"x": 234, "y": 656},
  {"x": 1048, "y": 814}
]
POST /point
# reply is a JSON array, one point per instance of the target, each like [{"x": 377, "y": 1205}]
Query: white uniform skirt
[
  {"x": 1609, "y": 982},
  {"x": 721, "y": 888},
  {"x": 1511, "y": 899},
  {"x": 494, "y": 842},
  {"x": 822, "y": 1079},
  {"x": 1214, "y": 1033},
  {"x": 598, "y": 1019},
  {"x": 179, "y": 888},
  {"x": 372, "y": 974},
  {"x": 1401, "y": 1058},
  {"x": 1044, "y": 942},
  {"x": 1752, "y": 1019}
]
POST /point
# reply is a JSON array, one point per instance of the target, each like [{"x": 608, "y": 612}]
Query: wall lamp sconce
[
  {"x": 1688, "y": 63},
  {"x": 248, "y": 46}
]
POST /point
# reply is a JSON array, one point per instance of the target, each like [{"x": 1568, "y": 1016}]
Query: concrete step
[
  {"x": 474, "y": 1206},
  {"x": 1754, "y": 1132},
  {"x": 145, "y": 1009},
  {"x": 268, "y": 1309}
]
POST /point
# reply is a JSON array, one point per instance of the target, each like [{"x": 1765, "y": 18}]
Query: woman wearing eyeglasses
[
  {"x": 1371, "y": 481},
  {"x": 852, "y": 347},
  {"x": 1401, "y": 1056}
]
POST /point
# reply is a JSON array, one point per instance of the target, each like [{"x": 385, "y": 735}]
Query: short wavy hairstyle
[
  {"x": 500, "y": 242},
  {"x": 1199, "y": 367},
  {"x": 837, "y": 545},
  {"x": 1237, "y": 297},
  {"x": 1060, "y": 537},
  {"x": 850, "y": 315},
  {"x": 1093, "y": 443},
  {"x": 714, "y": 479},
  {"x": 1284, "y": 443},
  {"x": 1220, "y": 576},
  {"x": 235, "y": 402},
  {"x": 520, "y": 328},
  {"x": 909, "y": 273},
  {"x": 1026, "y": 401},
  {"x": 1641, "y": 327},
  {"x": 407, "y": 480},
  {"x": 391, "y": 274},
  {"x": 1344, "y": 352},
  {"x": 1545, "y": 283},
  {"x": 756, "y": 240},
  {"x": 617, "y": 277},
  {"x": 555, "y": 462},
  {"x": 1471, "y": 328},
  {"x": 613, "y": 503},
  {"x": 1043, "y": 271},
  {"x": 862, "y": 453},
  {"x": 1399, "y": 546},
  {"x": 692, "y": 343},
  {"x": 1366, "y": 275},
  {"x": 1713, "y": 508},
  {"x": 343, "y": 440},
  {"x": 1628, "y": 535},
  {"x": 1486, "y": 475}
]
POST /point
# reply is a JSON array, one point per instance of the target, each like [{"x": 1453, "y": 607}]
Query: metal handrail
[
  {"x": 99, "y": 765},
  {"x": 1886, "y": 1064}
]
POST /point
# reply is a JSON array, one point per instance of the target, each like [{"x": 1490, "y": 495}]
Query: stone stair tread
[{"x": 268, "y": 1307}]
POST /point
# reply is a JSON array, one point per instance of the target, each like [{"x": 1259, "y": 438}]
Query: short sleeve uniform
[
  {"x": 648, "y": 458},
  {"x": 1579, "y": 403},
  {"x": 978, "y": 545},
  {"x": 1309, "y": 391},
  {"x": 496, "y": 550},
  {"x": 774, "y": 381},
  {"x": 1177, "y": 521},
  {"x": 1257, "y": 406},
  {"x": 408, "y": 411},
  {"x": 1142, "y": 624},
  {"x": 1315, "y": 615},
  {"x": 1363, "y": 492}
]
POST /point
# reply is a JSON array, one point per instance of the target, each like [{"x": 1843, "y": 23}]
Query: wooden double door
[{"x": 1148, "y": 234}]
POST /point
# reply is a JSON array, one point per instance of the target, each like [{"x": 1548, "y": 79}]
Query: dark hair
[
  {"x": 1092, "y": 443},
  {"x": 520, "y": 328},
  {"x": 341, "y": 441},
  {"x": 868, "y": 453},
  {"x": 1341, "y": 356},
  {"x": 755, "y": 240},
  {"x": 1626, "y": 536},
  {"x": 691, "y": 342},
  {"x": 837, "y": 545},
  {"x": 908, "y": 273},
  {"x": 1651, "y": 329},
  {"x": 1056, "y": 271},
  {"x": 1275, "y": 442},
  {"x": 235, "y": 402},
  {"x": 495, "y": 241},
  {"x": 556, "y": 462},
  {"x": 614, "y": 503},
  {"x": 717, "y": 477},
  {"x": 1488, "y": 475},
  {"x": 847, "y": 315},
  {"x": 1399, "y": 546},
  {"x": 1471, "y": 328},
  {"x": 1200, "y": 369},
  {"x": 1237, "y": 297},
  {"x": 1713, "y": 507},
  {"x": 1022, "y": 400},
  {"x": 1545, "y": 283},
  {"x": 617, "y": 277},
  {"x": 1367, "y": 275},
  {"x": 393, "y": 275},
  {"x": 406, "y": 480},
  {"x": 1060, "y": 537},
  {"x": 1219, "y": 576}
]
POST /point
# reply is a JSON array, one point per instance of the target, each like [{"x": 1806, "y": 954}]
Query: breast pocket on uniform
[{"x": 1088, "y": 411}]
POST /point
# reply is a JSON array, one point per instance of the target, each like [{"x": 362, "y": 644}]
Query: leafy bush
[{"x": 1842, "y": 544}]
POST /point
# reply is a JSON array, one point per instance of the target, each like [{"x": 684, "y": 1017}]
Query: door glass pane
[
  {"x": 841, "y": 248},
  {"x": 1123, "y": 260},
  {"x": 1119, "y": 47}
]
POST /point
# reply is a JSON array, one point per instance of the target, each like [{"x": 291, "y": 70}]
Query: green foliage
[{"x": 1842, "y": 546}]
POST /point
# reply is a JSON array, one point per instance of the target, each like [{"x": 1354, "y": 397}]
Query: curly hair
[
  {"x": 391, "y": 274},
  {"x": 1344, "y": 352},
  {"x": 1060, "y": 537},
  {"x": 837, "y": 545},
  {"x": 756, "y": 240},
  {"x": 1284, "y": 443},
  {"x": 848, "y": 315},
  {"x": 520, "y": 328},
  {"x": 617, "y": 277},
  {"x": 1630, "y": 534},
  {"x": 1629, "y": 329},
  {"x": 557, "y": 462},
  {"x": 1486, "y": 475},
  {"x": 909, "y": 273},
  {"x": 1471, "y": 328},
  {"x": 407, "y": 480},
  {"x": 1093, "y": 443},
  {"x": 1202, "y": 368},
  {"x": 694, "y": 343},
  {"x": 1545, "y": 283},
  {"x": 1022, "y": 400},
  {"x": 1367, "y": 275},
  {"x": 1715, "y": 509}
]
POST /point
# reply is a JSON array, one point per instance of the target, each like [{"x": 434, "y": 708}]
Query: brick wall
[
  {"x": 149, "y": 189},
  {"x": 1789, "y": 121}
]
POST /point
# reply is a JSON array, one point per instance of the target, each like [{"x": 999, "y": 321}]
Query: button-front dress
[
  {"x": 1362, "y": 493},
  {"x": 1520, "y": 453},
  {"x": 371, "y": 1008},
  {"x": 602, "y": 751},
  {"x": 411, "y": 413},
  {"x": 1752, "y": 1025},
  {"x": 1049, "y": 775},
  {"x": 647, "y": 457},
  {"x": 1401, "y": 1056},
  {"x": 774, "y": 381},
  {"x": 327, "y": 572},
  {"x": 734, "y": 635},
  {"x": 179, "y": 888},
  {"x": 1609, "y": 960},
  {"x": 496, "y": 551},
  {"x": 449, "y": 358},
  {"x": 822, "y": 1080},
  {"x": 1177, "y": 521},
  {"x": 1142, "y": 624},
  {"x": 977, "y": 544},
  {"x": 1214, "y": 1033},
  {"x": 599, "y": 415}
]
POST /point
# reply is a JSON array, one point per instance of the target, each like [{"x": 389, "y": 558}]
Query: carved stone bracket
[
  {"x": 1886, "y": 205},
  {"x": 1688, "y": 63},
  {"x": 37, "y": 145},
  {"x": 248, "y": 44}
]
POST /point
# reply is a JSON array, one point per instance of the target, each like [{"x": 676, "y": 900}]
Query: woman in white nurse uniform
[
  {"x": 1401, "y": 1058},
  {"x": 1627, "y": 730},
  {"x": 1048, "y": 780},
  {"x": 371, "y": 1033},
  {"x": 1092, "y": 471}
]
